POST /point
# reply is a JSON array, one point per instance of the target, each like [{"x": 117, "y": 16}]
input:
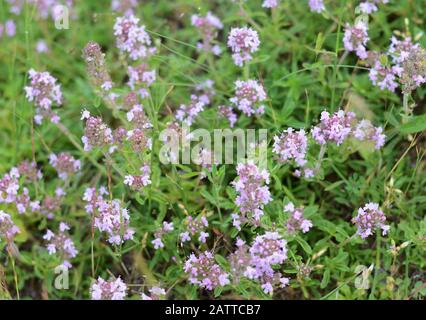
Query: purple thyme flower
[
  {"x": 369, "y": 218},
  {"x": 50, "y": 204},
  {"x": 138, "y": 117},
  {"x": 296, "y": 220},
  {"x": 29, "y": 170},
  {"x": 204, "y": 272},
  {"x": 92, "y": 196},
  {"x": 96, "y": 132},
  {"x": 248, "y": 97},
  {"x": 9, "y": 186},
  {"x": 61, "y": 244},
  {"x": 158, "y": 241},
  {"x": 138, "y": 182},
  {"x": 142, "y": 78},
  {"x": 316, "y": 6},
  {"x": 44, "y": 92},
  {"x": 266, "y": 252},
  {"x": 108, "y": 290},
  {"x": 96, "y": 67},
  {"x": 23, "y": 202},
  {"x": 65, "y": 164},
  {"x": 413, "y": 73},
  {"x": 243, "y": 42},
  {"x": 401, "y": 49},
  {"x": 205, "y": 91},
  {"x": 228, "y": 112},
  {"x": 370, "y": 6},
  {"x": 41, "y": 46},
  {"x": 252, "y": 193},
  {"x": 131, "y": 38},
  {"x": 208, "y": 27},
  {"x": 111, "y": 218},
  {"x": 188, "y": 113},
  {"x": 139, "y": 140},
  {"x": 356, "y": 38},
  {"x": 291, "y": 145},
  {"x": 156, "y": 293},
  {"x": 10, "y": 28},
  {"x": 194, "y": 226},
  {"x": 270, "y": 3},
  {"x": 335, "y": 128},
  {"x": 385, "y": 77},
  {"x": 125, "y": 7},
  {"x": 366, "y": 131},
  {"x": 8, "y": 229}
]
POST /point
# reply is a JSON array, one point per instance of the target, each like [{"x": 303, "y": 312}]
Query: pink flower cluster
[
  {"x": 204, "y": 272},
  {"x": 158, "y": 241},
  {"x": 385, "y": 76},
  {"x": 131, "y": 38},
  {"x": 205, "y": 91},
  {"x": 341, "y": 125},
  {"x": 370, "y": 6},
  {"x": 114, "y": 220},
  {"x": 44, "y": 92},
  {"x": 65, "y": 164},
  {"x": 243, "y": 42},
  {"x": 270, "y": 3},
  {"x": 258, "y": 261},
  {"x": 296, "y": 220},
  {"x": 61, "y": 244},
  {"x": 356, "y": 38},
  {"x": 92, "y": 196},
  {"x": 406, "y": 68},
  {"x": 156, "y": 293},
  {"x": 291, "y": 145},
  {"x": 109, "y": 216},
  {"x": 108, "y": 290},
  {"x": 316, "y": 6},
  {"x": 8, "y": 229},
  {"x": 366, "y": 131},
  {"x": 9, "y": 28},
  {"x": 29, "y": 170},
  {"x": 9, "y": 186},
  {"x": 208, "y": 27},
  {"x": 96, "y": 132},
  {"x": 249, "y": 96},
  {"x": 138, "y": 182},
  {"x": 369, "y": 218},
  {"x": 228, "y": 113},
  {"x": 252, "y": 192},
  {"x": 50, "y": 204},
  {"x": 400, "y": 50},
  {"x": 138, "y": 117},
  {"x": 188, "y": 112},
  {"x": 126, "y": 7},
  {"x": 335, "y": 128},
  {"x": 195, "y": 226},
  {"x": 142, "y": 78}
]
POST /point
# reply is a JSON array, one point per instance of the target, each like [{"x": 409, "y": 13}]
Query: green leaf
[
  {"x": 305, "y": 246},
  {"x": 325, "y": 278},
  {"x": 416, "y": 124},
  {"x": 208, "y": 196}
]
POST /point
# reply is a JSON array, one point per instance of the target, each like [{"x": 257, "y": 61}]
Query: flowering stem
[
  {"x": 246, "y": 71},
  {"x": 406, "y": 108},
  {"x": 320, "y": 157},
  {"x": 15, "y": 275},
  {"x": 377, "y": 267}
]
